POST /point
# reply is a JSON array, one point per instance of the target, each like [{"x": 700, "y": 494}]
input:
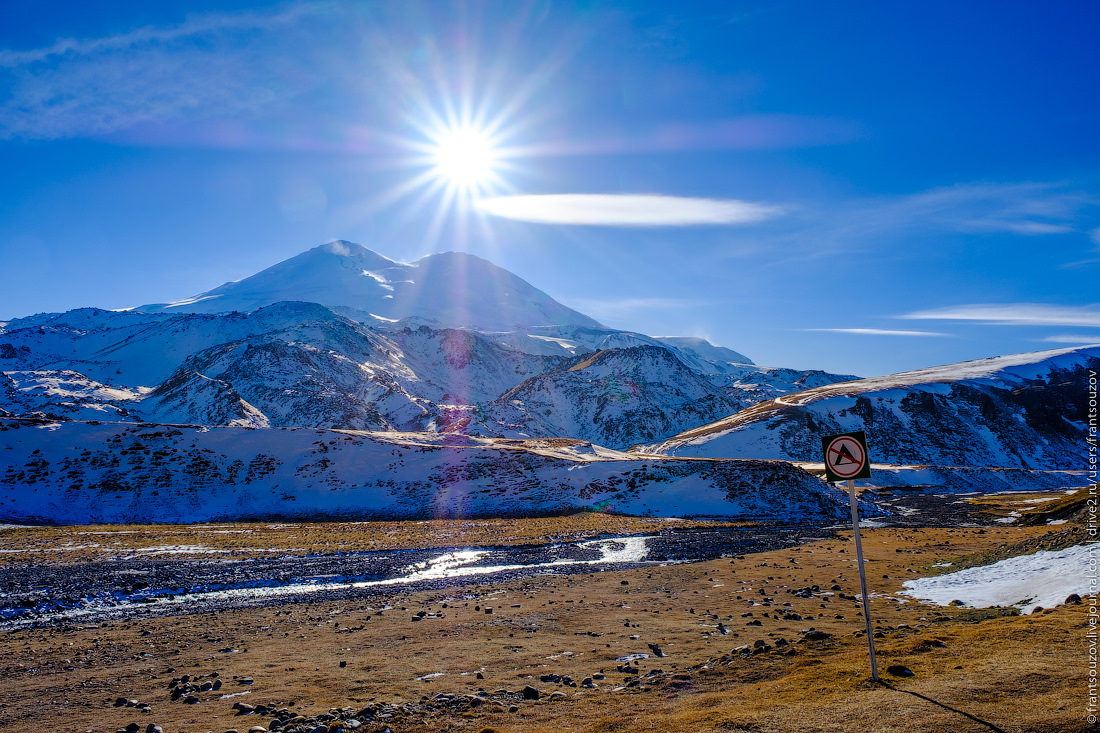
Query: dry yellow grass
[
  {"x": 74, "y": 544},
  {"x": 992, "y": 672}
]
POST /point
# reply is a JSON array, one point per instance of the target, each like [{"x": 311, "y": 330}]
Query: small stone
[
  {"x": 816, "y": 636},
  {"x": 153, "y": 728},
  {"x": 243, "y": 708},
  {"x": 480, "y": 676},
  {"x": 624, "y": 582},
  {"x": 558, "y": 695},
  {"x": 343, "y": 664},
  {"x": 190, "y": 700},
  {"x": 513, "y": 708},
  {"x": 245, "y": 681},
  {"x": 530, "y": 693},
  {"x": 257, "y": 729},
  {"x": 899, "y": 670},
  {"x": 1073, "y": 598}
]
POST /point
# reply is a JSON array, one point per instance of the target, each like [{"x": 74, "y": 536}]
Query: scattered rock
[
  {"x": 899, "y": 670},
  {"x": 530, "y": 693}
]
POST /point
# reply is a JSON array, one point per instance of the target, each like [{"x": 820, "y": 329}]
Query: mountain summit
[{"x": 453, "y": 289}]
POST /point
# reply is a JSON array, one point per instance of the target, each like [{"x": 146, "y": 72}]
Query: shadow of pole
[{"x": 963, "y": 713}]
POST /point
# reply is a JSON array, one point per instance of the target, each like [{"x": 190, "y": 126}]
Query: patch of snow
[{"x": 1045, "y": 578}]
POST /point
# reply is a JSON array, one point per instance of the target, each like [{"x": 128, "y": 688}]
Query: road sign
[
  {"x": 845, "y": 460},
  {"x": 846, "y": 456}
]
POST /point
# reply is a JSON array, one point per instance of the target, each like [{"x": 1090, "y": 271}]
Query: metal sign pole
[{"x": 863, "y": 579}]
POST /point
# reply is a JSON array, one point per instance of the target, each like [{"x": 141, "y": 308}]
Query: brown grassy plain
[{"x": 975, "y": 670}]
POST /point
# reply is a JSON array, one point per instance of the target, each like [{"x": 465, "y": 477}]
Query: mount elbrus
[{"x": 479, "y": 394}]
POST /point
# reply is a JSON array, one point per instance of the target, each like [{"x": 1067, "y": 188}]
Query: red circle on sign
[{"x": 845, "y": 456}]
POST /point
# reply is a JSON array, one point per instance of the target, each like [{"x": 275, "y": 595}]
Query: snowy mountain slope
[
  {"x": 64, "y": 392},
  {"x": 452, "y": 289},
  {"x": 118, "y": 472},
  {"x": 304, "y": 364},
  {"x": 190, "y": 397},
  {"x": 704, "y": 350},
  {"x": 1021, "y": 411},
  {"x": 614, "y": 397}
]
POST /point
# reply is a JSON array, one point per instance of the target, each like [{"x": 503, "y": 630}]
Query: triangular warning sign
[{"x": 844, "y": 456}]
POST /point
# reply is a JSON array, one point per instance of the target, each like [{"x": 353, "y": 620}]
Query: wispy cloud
[
  {"x": 629, "y": 210},
  {"x": 1014, "y": 314},
  {"x": 214, "y": 65},
  {"x": 1071, "y": 338},
  {"x": 1029, "y": 208},
  {"x": 877, "y": 332}
]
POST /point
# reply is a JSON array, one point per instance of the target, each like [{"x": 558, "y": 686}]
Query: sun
[{"x": 464, "y": 157}]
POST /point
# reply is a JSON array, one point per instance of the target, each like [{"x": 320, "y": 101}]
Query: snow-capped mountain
[
  {"x": 452, "y": 352},
  {"x": 256, "y": 358},
  {"x": 452, "y": 289},
  {"x": 1024, "y": 411},
  {"x": 302, "y": 364}
]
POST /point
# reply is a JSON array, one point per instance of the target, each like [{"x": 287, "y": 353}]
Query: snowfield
[
  {"x": 1043, "y": 579},
  {"x": 120, "y": 472}
]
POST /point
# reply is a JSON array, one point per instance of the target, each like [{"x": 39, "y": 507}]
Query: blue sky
[{"x": 860, "y": 187}]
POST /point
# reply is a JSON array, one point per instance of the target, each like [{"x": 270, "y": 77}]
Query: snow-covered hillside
[
  {"x": 614, "y": 397},
  {"x": 119, "y": 472},
  {"x": 1023, "y": 411}
]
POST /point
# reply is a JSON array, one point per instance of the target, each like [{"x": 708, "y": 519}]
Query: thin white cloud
[
  {"x": 213, "y": 65},
  {"x": 626, "y": 210},
  {"x": 877, "y": 332},
  {"x": 1014, "y": 314},
  {"x": 192, "y": 27},
  {"x": 1072, "y": 338},
  {"x": 1029, "y": 209}
]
